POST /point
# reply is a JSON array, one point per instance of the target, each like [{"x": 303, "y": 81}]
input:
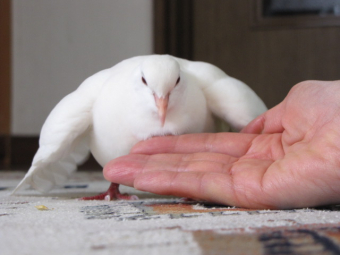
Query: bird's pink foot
[{"x": 112, "y": 193}]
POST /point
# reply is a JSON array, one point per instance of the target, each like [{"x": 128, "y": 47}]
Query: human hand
[{"x": 289, "y": 157}]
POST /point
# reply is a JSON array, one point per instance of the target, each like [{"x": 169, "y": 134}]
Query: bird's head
[{"x": 160, "y": 74}]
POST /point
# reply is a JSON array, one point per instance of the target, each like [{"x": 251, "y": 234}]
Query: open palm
[{"x": 289, "y": 157}]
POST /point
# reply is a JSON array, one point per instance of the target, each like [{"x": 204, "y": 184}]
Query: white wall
[{"x": 59, "y": 43}]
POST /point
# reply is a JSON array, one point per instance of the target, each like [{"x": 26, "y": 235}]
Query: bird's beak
[{"x": 162, "y": 106}]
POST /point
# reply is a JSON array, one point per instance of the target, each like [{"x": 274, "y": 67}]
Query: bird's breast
[{"x": 119, "y": 122}]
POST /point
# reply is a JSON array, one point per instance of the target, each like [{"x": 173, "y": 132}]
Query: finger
[
  {"x": 269, "y": 122},
  {"x": 239, "y": 186},
  {"x": 214, "y": 187},
  {"x": 233, "y": 144},
  {"x": 123, "y": 170}
]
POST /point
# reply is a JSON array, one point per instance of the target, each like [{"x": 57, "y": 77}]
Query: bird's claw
[{"x": 112, "y": 193}]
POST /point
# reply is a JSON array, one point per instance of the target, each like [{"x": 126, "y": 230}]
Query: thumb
[{"x": 267, "y": 123}]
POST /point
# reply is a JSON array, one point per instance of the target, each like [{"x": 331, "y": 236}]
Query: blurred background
[{"x": 47, "y": 48}]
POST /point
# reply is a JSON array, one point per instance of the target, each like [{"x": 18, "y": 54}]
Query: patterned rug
[{"x": 58, "y": 223}]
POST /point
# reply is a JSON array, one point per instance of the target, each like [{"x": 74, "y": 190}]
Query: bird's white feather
[
  {"x": 115, "y": 108},
  {"x": 227, "y": 98},
  {"x": 64, "y": 138}
]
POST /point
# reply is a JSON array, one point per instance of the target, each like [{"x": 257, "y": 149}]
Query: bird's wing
[
  {"x": 227, "y": 98},
  {"x": 64, "y": 138},
  {"x": 234, "y": 102}
]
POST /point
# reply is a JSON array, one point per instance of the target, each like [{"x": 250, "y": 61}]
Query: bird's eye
[
  {"x": 144, "y": 81},
  {"x": 178, "y": 80}
]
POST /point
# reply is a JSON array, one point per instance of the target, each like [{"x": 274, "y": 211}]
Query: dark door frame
[
  {"x": 173, "y": 27},
  {"x": 5, "y": 80}
]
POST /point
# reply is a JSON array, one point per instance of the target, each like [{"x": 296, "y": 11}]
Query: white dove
[{"x": 134, "y": 100}]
